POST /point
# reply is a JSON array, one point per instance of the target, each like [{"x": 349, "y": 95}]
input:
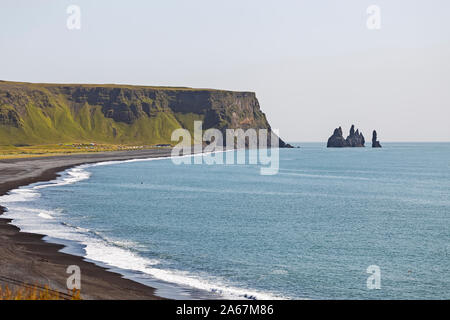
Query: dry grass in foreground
[
  {"x": 31, "y": 151},
  {"x": 36, "y": 293}
]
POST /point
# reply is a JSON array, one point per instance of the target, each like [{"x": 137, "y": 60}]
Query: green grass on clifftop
[{"x": 45, "y": 114}]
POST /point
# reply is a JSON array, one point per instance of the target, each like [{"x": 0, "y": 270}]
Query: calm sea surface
[{"x": 311, "y": 231}]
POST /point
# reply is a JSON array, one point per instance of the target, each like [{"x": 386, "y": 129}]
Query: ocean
[{"x": 225, "y": 231}]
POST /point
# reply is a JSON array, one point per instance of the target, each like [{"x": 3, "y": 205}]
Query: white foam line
[
  {"x": 103, "y": 250},
  {"x": 112, "y": 162}
]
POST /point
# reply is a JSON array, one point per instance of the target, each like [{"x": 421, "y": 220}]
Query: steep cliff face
[{"x": 52, "y": 113}]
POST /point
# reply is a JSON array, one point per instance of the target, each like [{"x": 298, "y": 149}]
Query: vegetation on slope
[{"x": 38, "y": 114}]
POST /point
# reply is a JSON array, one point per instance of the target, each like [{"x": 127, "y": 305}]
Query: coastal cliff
[
  {"x": 119, "y": 114},
  {"x": 354, "y": 139}
]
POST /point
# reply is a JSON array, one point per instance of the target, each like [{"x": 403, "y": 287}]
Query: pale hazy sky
[{"x": 314, "y": 64}]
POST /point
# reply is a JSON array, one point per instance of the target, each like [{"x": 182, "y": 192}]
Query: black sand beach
[{"x": 25, "y": 259}]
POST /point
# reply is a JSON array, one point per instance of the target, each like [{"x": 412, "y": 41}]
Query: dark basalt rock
[
  {"x": 283, "y": 144},
  {"x": 337, "y": 139},
  {"x": 10, "y": 118},
  {"x": 354, "y": 139},
  {"x": 375, "y": 142}
]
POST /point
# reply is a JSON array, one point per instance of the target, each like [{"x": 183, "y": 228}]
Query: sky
[{"x": 314, "y": 65}]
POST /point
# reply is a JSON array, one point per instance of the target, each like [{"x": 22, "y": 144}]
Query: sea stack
[
  {"x": 375, "y": 142},
  {"x": 354, "y": 139},
  {"x": 337, "y": 139}
]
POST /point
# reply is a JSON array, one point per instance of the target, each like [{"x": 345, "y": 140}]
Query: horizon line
[{"x": 386, "y": 141}]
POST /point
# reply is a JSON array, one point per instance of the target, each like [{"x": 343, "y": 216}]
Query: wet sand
[{"x": 26, "y": 259}]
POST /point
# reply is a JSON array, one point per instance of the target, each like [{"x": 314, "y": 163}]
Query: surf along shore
[{"x": 26, "y": 259}]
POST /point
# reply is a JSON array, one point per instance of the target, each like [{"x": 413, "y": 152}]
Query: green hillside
[{"x": 34, "y": 114}]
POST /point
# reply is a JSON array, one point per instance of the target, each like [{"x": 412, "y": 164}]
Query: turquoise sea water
[{"x": 308, "y": 232}]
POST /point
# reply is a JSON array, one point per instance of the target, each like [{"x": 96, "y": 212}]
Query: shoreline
[{"x": 27, "y": 259}]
